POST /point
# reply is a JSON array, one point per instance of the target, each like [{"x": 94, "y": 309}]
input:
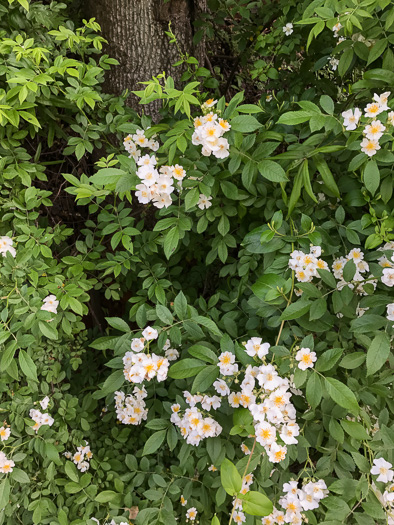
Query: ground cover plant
[{"x": 197, "y": 310}]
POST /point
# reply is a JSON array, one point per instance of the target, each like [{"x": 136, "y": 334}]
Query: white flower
[
  {"x": 388, "y": 277},
  {"x": 143, "y": 193},
  {"x": 307, "y": 501},
  {"x": 254, "y": 346},
  {"x": 306, "y": 358},
  {"x": 288, "y": 29},
  {"x": 209, "y": 103},
  {"x": 172, "y": 354},
  {"x": 336, "y": 28},
  {"x": 277, "y": 453},
  {"x": 50, "y": 304},
  {"x": 268, "y": 98},
  {"x": 221, "y": 387},
  {"x": 147, "y": 160},
  {"x": 239, "y": 517},
  {"x": 382, "y": 100},
  {"x": 183, "y": 501},
  {"x": 5, "y": 433},
  {"x": 369, "y": 147},
  {"x": 191, "y": 513},
  {"x": 137, "y": 344},
  {"x": 204, "y": 202},
  {"x": 334, "y": 63},
  {"x": 390, "y": 312},
  {"x": 373, "y": 109},
  {"x": 374, "y": 131},
  {"x": 382, "y": 468},
  {"x": 6, "y": 245},
  {"x": 44, "y": 403},
  {"x": 162, "y": 200},
  {"x": 351, "y": 118},
  {"x": 390, "y": 118}
]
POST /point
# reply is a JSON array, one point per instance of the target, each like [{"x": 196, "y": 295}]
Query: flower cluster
[
  {"x": 193, "y": 425},
  {"x": 139, "y": 366},
  {"x": 6, "y": 246},
  {"x": 374, "y": 129},
  {"x": 357, "y": 256},
  {"x": 295, "y": 501},
  {"x": 6, "y": 464},
  {"x": 130, "y": 409},
  {"x": 40, "y": 419},
  {"x": 306, "y": 265},
  {"x": 81, "y": 457},
  {"x": 157, "y": 185},
  {"x": 208, "y": 133},
  {"x": 383, "y": 469},
  {"x": 273, "y": 414},
  {"x": 50, "y": 304},
  {"x": 132, "y": 142}
]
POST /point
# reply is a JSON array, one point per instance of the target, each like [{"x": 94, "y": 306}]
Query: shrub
[{"x": 242, "y": 257}]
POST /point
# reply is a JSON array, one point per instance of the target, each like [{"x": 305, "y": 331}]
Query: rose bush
[{"x": 209, "y": 338}]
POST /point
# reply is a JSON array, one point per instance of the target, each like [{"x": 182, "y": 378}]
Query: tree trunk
[{"x": 135, "y": 31}]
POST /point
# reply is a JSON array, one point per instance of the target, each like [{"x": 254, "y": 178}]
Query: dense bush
[{"x": 208, "y": 311}]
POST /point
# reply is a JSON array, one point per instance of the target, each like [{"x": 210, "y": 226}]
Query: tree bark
[{"x": 135, "y": 31}]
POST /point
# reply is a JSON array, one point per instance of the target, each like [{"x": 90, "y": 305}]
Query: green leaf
[
  {"x": 107, "y": 176},
  {"x": 208, "y": 323},
  {"x": 378, "y": 353},
  {"x": 306, "y": 179},
  {"x": 171, "y": 242},
  {"x": 272, "y": 171},
  {"x": 113, "y": 382},
  {"x": 106, "y": 496},
  {"x": 327, "y": 360},
  {"x": 27, "y": 365},
  {"x": 154, "y": 442},
  {"x": 371, "y": 176},
  {"x": 164, "y": 314},
  {"x": 180, "y": 306},
  {"x": 20, "y": 476},
  {"x": 186, "y": 368},
  {"x": 295, "y": 310},
  {"x": 349, "y": 270},
  {"x": 353, "y": 360},
  {"x": 48, "y": 330},
  {"x": 191, "y": 199},
  {"x": 327, "y": 278},
  {"x": 256, "y": 504},
  {"x": 354, "y": 430},
  {"x": 8, "y": 356},
  {"x": 52, "y": 453},
  {"x": 205, "y": 379},
  {"x": 342, "y": 395},
  {"x": 345, "y": 61},
  {"x": 296, "y": 192},
  {"x": 327, "y": 104},
  {"x": 230, "y": 478},
  {"x": 367, "y": 323},
  {"x": 72, "y": 487},
  {"x": 215, "y": 520},
  {"x": 4, "y": 493},
  {"x": 326, "y": 175},
  {"x": 314, "y": 390},
  {"x": 71, "y": 471},
  {"x": 293, "y": 118},
  {"x": 245, "y": 123},
  {"x": 118, "y": 324},
  {"x": 202, "y": 352},
  {"x": 377, "y": 50}
]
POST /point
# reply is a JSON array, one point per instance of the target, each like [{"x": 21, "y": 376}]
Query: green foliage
[{"x": 206, "y": 278}]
